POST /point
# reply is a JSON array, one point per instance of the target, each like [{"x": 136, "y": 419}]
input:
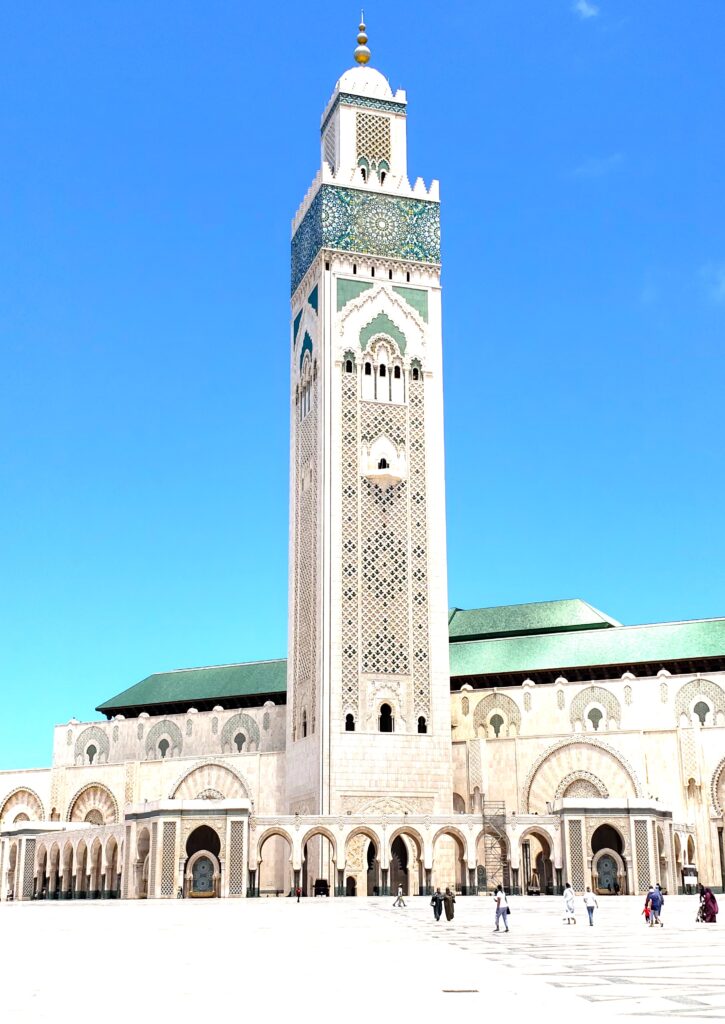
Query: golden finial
[{"x": 362, "y": 53}]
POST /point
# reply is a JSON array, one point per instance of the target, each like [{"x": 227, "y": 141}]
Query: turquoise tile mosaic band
[
  {"x": 377, "y": 225},
  {"x": 369, "y": 102}
]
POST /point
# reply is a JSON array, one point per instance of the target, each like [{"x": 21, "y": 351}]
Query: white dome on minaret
[{"x": 365, "y": 81}]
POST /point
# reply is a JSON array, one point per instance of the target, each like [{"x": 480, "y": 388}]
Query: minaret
[{"x": 368, "y": 678}]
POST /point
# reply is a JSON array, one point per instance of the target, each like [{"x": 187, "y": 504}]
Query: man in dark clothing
[{"x": 437, "y": 904}]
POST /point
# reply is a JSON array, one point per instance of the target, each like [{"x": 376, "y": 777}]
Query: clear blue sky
[{"x": 153, "y": 155}]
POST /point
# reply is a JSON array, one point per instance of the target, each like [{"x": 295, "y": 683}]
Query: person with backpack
[{"x": 502, "y": 908}]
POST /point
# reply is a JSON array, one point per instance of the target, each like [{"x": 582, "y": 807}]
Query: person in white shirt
[
  {"x": 590, "y": 902},
  {"x": 569, "y": 911},
  {"x": 399, "y": 901},
  {"x": 502, "y": 908}
]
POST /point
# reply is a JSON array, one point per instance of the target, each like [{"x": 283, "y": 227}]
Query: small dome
[{"x": 365, "y": 81}]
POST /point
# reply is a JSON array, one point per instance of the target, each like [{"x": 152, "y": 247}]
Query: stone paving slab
[{"x": 175, "y": 960}]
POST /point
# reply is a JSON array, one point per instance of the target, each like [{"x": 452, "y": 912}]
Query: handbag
[{"x": 508, "y": 910}]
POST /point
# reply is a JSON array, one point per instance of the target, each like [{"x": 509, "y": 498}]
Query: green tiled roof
[
  {"x": 623, "y": 645},
  {"x": 522, "y": 619},
  {"x": 199, "y": 684},
  {"x": 520, "y": 639}
]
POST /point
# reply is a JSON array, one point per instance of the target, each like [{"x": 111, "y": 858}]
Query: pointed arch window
[
  {"x": 349, "y": 723},
  {"x": 422, "y": 725},
  {"x": 386, "y": 721}
]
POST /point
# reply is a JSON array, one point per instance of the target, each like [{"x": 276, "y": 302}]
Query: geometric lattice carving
[
  {"x": 596, "y": 695},
  {"x": 305, "y": 560},
  {"x": 505, "y": 706},
  {"x": 464, "y": 706},
  {"x": 474, "y": 764},
  {"x": 236, "y": 859},
  {"x": 641, "y": 846},
  {"x": 349, "y": 607},
  {"x": 560, "y": 699},
  {"x": 628, "y": 694},
  {"x": 380, "y": 419},
  {"x": 384, "y": 559},
  {"x": 94, "y": 803},
  {"x": 419, "y": 548},
  {"x": 576, "y": 856},
  {"x": 688, "y": 694},
  {"x": 22, "y": 801},
  {"x": 329, "y": 145},
  {"x": 168, "y": 858},
  {"x": 166, "y": 730},
  {"x": 28, "y": 865},
  {"x": 581, "y": 784},
  {"x": 372, "y": 137},
  {"x": 248, "y": 728},
  {"x": 664, "y": 692},
  {"x": 96, "y": 736},
  {"x": 125, "y": 881}
]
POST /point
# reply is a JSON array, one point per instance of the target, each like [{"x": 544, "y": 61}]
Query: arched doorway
[
  {"x": 54, "y": 872},
  {"x": 143, "y": 843},
  {"x": 41, "y": 875},
  {"x": 449, "y": 861},
  {"x": 350, "y": 886},
  {"x": 81, "y": 884},
  {"x": 319, "y": 871},
  {"x": 492, "y": 860},
  {"x": 274, "y": 872},
  {"x": 362, "y": 862},
  {"x": 609, "y": 874},
  {"x": 662, "y": 859},
  {"x": 111, "y": 881},
  {"x": 202, "y": 875},
  {"x": 12, "y": 868},
  {"x": 537, "y": 871},
  {"x": 399, "y": 866},
  {"x": 679, "y": 884},
  {"x": 66, "y": 889}
]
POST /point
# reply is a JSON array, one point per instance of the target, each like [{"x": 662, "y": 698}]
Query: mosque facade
[{"x": 402, "y": 742}]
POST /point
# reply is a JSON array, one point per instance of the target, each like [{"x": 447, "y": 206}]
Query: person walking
[
  {"x": 569, "y": 909},
  {"x": 399, "y": 901},
  {"x": 658, "y": 887},
  {"x": 654, "y": 900},
  {"x": 590, "y": 902},
  {"x": 448, "y": 902},
  {"x": 502, "y": 908},
  {"x": 436, "y": 902},
  {"x": 298, "y": 893}
]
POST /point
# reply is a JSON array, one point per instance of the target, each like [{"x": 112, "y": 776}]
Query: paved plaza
[{"x": 351, "y": 957}]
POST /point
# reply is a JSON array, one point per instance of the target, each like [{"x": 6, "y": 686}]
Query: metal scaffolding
[{"x": 495, "y": 866}]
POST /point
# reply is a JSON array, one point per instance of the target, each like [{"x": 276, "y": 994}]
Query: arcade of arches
[{"x": 209, "y": 848}]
